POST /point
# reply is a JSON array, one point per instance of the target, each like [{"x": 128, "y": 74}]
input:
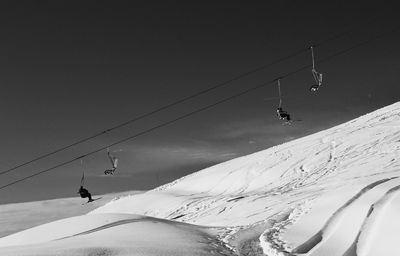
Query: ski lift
[
  {"x": 316, "y": 75},
  {"x": 83, "y": 192},
  {"x": 114, "y": 163},
  {"x": 282, "y": 115}
]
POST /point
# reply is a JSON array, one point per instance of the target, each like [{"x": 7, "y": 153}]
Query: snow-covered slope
[
  {"x": 114, "y": 234},
  {"x": 277, "y": 186},
  {"x": 330, "y": 193},
  {"x": 20, "y": 216}
]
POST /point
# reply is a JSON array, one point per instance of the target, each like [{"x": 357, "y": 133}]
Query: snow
[
  {"x": 114, "y": 234},
  {"x": 342, "y": 227},
  {"x": 378, "y": 228},
  {"x": 20, "y": 216},
  {"x": 331, "y": 193}
]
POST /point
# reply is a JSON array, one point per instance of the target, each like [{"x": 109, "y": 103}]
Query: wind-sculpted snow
[
  {"x": 332, "y": 223},
  {"x": 310, "y": 196},
  {"x": 365, "y": 242},
  {"x": 115, "y": 234}
]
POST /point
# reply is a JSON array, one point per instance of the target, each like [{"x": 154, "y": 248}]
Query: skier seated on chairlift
[
  {"x": 114, "y": 162},
  {"x": 83, "y": 192},
  {"x": 283, "y": 115}
]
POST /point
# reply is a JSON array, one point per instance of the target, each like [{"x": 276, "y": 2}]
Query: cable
[
  {"x": 292, "y": 55},
  {"x": 207, "y": 107}
]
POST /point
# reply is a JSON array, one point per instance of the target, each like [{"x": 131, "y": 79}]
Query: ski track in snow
[
  {"x": 308, "y": 167},
  {"x": 256, "y": 201}
]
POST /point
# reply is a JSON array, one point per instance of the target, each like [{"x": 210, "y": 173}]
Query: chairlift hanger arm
[
  {"x": 279, "y": 91},
  {"x": 312, "y": 57}
]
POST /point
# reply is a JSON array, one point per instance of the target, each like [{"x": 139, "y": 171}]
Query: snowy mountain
[{"x": 335, "y": 192}]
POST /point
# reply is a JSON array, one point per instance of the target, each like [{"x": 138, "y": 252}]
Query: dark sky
[{"x": 71, "y": 69}]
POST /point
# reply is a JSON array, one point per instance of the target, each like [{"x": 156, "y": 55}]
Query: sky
[{"x": 71, "y": 69}]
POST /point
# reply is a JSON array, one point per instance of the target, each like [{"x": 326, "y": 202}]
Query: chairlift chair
[
  {"x": 316, "y": 75},
  {"x": 282, "y": 115}
]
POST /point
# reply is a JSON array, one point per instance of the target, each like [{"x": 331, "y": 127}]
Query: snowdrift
[
  {"x": 113, "y": 234},
  {"x": 335, "y": 192}
]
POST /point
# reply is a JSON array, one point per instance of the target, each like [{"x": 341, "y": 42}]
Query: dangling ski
[
  {"x": 90, "y": 201},
  {"x": 290, "y": 122}
]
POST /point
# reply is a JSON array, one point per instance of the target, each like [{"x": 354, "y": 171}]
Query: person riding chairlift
[
  {"x": 282, "y": 115},
  {"x": 84, "y": 193}
]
